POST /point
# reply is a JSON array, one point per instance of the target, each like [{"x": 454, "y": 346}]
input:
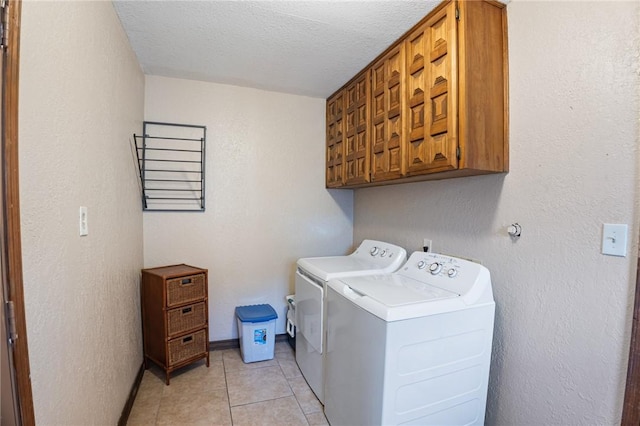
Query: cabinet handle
[
  {"x": 187, "y": 310},
  {"x": 186, "y": 281},
  {"x": 187, "y": 339}
]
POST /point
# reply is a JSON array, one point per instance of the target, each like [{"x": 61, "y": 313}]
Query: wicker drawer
[
  {"x": 175, "y": 325},
  {"x": 186, "y": 318},
  {"x": 184, "y": 347},
  {"x": 185, "y": 289}
]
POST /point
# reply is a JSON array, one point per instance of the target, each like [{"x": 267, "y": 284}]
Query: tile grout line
[
  {"x": 306, "y": 419},
  {"x": 287, "y": 380},
  {"x": 283, "y": 359},
  {"x": 159, "y": 402},
  {"x": 226, "y": 387}
]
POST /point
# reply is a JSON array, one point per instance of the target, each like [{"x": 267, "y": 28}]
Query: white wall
[
  {"x": 81, "y": 99},
  {"x": 563, "y": 309},
  {"x": 265, "y": 196}
]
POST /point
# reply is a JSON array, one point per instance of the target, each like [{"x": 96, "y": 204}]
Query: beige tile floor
[{"x": 229, "y": 392}]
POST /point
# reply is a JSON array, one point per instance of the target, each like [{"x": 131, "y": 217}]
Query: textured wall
[
  {"x": 563, "y": 309},
  {"x": 266, "y": 201},
  {"x": 81, "y": 99}
]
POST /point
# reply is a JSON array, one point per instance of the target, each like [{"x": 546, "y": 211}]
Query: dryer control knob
[
  {"x": 452, "y": 273},
  {"x": 435, "y": 268},
  {"x": 374, "y": 251},
  {"x": 422, "y": 264}
]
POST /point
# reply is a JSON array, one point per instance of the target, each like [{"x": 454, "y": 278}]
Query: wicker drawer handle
[
  {"x": 188, "y": 310},
  {"x": 185, "y": 281},
  {"x": 187, "y": 339}
]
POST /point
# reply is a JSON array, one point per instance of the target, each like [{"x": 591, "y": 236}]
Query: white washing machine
[
  {"x": 412, "y": 347},
  {"x": 371, "y": 257}
]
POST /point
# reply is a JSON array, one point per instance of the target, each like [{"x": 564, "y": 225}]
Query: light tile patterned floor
[{"x": 229, "y": 392}]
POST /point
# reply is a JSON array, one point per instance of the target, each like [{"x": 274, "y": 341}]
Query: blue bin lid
[{"x": 256, "y": 313}]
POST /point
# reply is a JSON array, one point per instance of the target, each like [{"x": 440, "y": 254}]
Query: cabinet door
[
  {"x": 357, "y": 149},
  {"x": 432, "y": 95},
  {"x": 483, "y": 120},
  {"x": 387, "y": 92},
  {"x": 335, "y": 145}
]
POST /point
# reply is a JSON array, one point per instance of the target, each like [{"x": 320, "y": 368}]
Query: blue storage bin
[{"x": 257, "y": 330}]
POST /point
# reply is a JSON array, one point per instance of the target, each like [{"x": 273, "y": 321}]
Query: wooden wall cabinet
[
  {"x": 175, "y": 316},
  {"x": 438, "y": 99}
]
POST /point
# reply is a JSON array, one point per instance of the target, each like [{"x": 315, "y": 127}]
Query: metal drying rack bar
[{"x": 171, "y": 166}]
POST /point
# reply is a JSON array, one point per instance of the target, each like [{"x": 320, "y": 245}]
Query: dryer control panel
[
  {"x": 374, "y": 250},
  {"x": 370, "y": 258}
]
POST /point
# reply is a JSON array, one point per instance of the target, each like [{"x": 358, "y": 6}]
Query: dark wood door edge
[
  {"x": 10, "y": 193},
  {"x": 631, "y": 407}
]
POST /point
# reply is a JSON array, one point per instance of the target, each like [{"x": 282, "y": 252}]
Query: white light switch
[
  {"x": 614, "y": 239},
  {"x": 84, "y": 225}
]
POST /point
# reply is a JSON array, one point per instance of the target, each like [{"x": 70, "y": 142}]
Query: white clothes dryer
[
  {"x": 312, "y": 275},
  {"x": 412, "y": 347}
]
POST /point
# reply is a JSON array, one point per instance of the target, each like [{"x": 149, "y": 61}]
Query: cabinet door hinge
[
  {"x": 11, "y": 322},
  {"x": 457, "y": 14},
  {"x": 4, "y": 24},
  {"x": 458, "y": 152}
]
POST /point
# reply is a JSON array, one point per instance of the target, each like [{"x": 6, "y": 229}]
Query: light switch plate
[
  {"x": 84, "y": 225},
  {"x": 614, "y": 239}
]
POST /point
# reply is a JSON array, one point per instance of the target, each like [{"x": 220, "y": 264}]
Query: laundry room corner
[{"x": 266, "y": 201}]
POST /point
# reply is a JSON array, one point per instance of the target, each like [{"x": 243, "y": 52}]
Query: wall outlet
[{"x": 427, "y": 245}]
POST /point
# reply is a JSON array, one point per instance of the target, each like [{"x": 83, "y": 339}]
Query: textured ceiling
[{"x": 302, "y": 47}]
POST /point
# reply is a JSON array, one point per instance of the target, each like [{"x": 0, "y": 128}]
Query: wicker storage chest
[{"x": 175, "y": 316}]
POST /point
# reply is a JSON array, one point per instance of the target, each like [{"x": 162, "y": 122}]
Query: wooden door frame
[
  {"x": 11, "y": 205},
  {"x": 631, "y": 407}
]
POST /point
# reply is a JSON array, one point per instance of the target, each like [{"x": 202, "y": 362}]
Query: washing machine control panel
[
  {"x": 435, "y": 264},
  {"x": 447, "y": 272},
  {"x": 435, "y": 268}
]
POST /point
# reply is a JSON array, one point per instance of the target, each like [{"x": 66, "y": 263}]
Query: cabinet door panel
[
  {"x": 416, "y": 121},
  {"x": 388, "y": 116},
  {"x": 351, "y": 122},
  {"x": 357, "y": 155},
  {"x": 335, "y": 144},
  {"x": 378, "y": 119},
  {"x": 431, "y": 125}
]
